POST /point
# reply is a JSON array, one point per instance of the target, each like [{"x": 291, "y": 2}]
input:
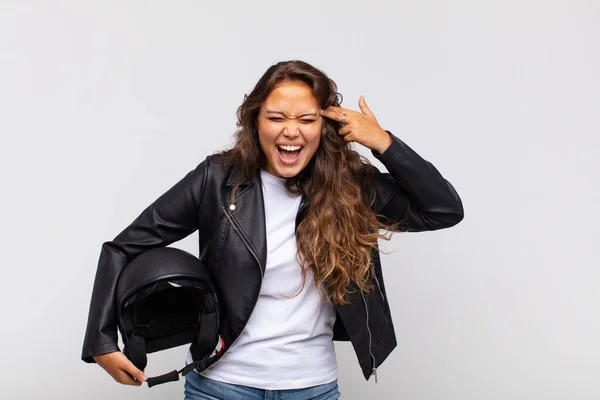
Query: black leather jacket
[{"x": 413, "y": 193}]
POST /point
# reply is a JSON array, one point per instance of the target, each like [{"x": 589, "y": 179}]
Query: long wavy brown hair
[{"x": 337, "y": 236}]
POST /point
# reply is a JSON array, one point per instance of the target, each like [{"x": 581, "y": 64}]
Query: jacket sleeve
[
  {"x": 413, "y": 194},
  {"x": 171, "y": 217}
]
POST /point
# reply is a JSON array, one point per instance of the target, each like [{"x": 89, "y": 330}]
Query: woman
[{"x": 290, "y": 218}]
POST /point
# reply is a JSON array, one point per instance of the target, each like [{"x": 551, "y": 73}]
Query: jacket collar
[{"x": 234, "y": 177}]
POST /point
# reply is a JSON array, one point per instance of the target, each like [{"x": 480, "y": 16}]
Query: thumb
[
  {"x": 134, "y": 371},
  {"x": 363, "y": 106}
]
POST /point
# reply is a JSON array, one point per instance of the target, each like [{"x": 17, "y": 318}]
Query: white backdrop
[{"x": 105, "y": 104}]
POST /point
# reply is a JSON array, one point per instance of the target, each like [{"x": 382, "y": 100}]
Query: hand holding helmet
[
  {"x": 120, "y": 368},
  {"x": 165, "y": 298}
]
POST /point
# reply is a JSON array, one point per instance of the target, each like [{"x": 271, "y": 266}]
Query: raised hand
[{"x": 360, "y": 127}]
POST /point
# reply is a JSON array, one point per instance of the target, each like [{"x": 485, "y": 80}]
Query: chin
[{"x": 288, "y": 172}]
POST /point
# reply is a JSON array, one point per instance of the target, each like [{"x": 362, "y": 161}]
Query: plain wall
[{"x": 105, "y": 104}]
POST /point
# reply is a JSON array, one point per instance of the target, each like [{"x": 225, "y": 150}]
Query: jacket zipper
[
  {"x": 377, "y": 281},
  {"x": 374, "y": 369},
  {"x": 243, "y": 237},
  {"x": 237, "y": 229}
]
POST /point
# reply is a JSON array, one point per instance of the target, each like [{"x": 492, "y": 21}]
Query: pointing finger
[
  {"x": 328, "y": 113},
  {"x": 335, "y": 113}
]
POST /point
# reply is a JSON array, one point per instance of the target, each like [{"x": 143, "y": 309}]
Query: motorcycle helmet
[{"x": 166, "y": 298}]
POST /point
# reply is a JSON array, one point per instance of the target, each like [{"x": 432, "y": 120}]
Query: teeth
[{"x": 290, "y": 148}]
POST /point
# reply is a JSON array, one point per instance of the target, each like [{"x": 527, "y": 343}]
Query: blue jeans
[{"x": 197, "y": 387}]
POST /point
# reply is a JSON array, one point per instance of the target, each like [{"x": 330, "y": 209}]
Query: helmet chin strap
[
  {"x": 135, "y": 350},
  {"x": 174, "y": 375}
]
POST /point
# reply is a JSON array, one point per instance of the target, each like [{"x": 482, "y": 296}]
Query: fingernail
[{"x": 144, "y": 378}]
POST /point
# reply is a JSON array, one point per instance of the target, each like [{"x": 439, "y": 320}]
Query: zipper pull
[{"x": 375, "y": 374}]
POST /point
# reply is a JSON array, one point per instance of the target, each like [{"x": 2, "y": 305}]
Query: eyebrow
[{"x": 300, "y": 116}]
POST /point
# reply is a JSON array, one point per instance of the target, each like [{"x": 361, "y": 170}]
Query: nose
[{"x": 291, "y": 129}]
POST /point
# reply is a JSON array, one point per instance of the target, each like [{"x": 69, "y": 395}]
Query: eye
[
  {"x": 276, "y": 119},
  {"x": 308, "y": 121}
]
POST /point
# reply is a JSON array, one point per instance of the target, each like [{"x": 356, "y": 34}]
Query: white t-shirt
[{"x": 287, "y": 343}]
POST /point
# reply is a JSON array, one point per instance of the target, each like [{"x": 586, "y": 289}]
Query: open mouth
[{"x": 289, "y": 155}]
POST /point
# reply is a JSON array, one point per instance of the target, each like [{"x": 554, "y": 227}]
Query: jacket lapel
[{"x": 247, "y": 211}]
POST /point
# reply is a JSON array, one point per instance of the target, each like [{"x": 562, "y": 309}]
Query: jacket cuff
[
  {"x": 88, "y": 353},
  {"x": 390, "y": 151}
]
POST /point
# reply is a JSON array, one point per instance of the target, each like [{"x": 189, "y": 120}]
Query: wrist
[{"x": 384, "y": 143}]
